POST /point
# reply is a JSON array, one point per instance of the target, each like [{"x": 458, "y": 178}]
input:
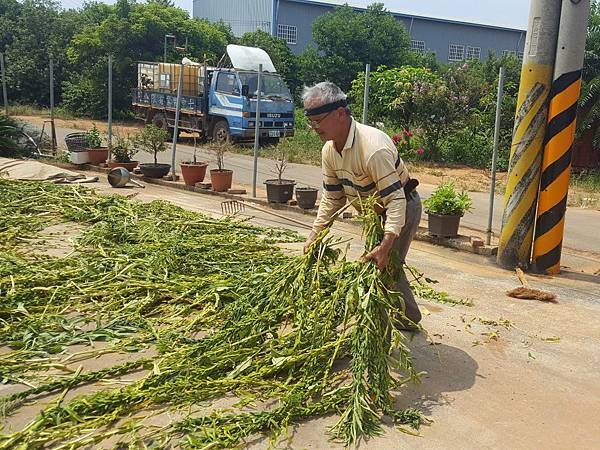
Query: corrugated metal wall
[
  {"x": 437, "y": 35},
  {"x": 297, "y": 18},
  {"x": 242, "y": 15}
]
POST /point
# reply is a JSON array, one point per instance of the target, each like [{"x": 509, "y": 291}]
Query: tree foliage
[
  {"x": 588, "y": 120},
  {"x": 347, "y": 40},
  {"x": 283, "y": 59}
]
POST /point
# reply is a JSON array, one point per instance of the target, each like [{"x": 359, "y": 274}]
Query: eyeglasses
[{"x": 317, "y": 123}]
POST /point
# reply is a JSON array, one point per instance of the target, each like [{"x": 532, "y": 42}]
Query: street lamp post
[{"x": 167, "y": 36}]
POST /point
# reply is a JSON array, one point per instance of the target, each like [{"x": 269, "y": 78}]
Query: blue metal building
[{"x": 292, "y": 20}]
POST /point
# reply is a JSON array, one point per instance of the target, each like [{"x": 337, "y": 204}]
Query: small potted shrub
[
  {"x": 220, "y": 177},
  {"x": 96, "y": 153},
  {"x": 280, "y": 190},
  {"x": 306, "y": 197},
  {"x": 122, "y": 152},
  {"x": 152, "y": 140},
  {"x": 193, "y": 171},
  {"x": 444, "y": 208}
]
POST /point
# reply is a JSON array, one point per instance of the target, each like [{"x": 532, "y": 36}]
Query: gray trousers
[{"x": 401, "y": 246}]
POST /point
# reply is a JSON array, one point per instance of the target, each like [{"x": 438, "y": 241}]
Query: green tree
[
  {"x": 30, "y": 32},
  {"x": 347, "y": 40},
  {"x": 281, "y": 55},
  {"x": 393, "y": 94},
  {"x": 588, "y": 115},
  {"x": 132, "y": 32}
]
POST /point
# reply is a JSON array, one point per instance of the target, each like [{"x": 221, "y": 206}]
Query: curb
[{"x": 461, "y": 243}]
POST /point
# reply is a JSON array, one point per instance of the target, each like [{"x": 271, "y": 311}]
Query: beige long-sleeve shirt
[{"x": 369, "y": 163}]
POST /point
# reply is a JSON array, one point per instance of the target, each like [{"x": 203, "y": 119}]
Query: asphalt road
[{"x": 581, "y": 225}]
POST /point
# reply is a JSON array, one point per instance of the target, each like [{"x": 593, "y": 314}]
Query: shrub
[
  {"x": 123, "y": 149},
  {"x": 446, "y": 201},
  {"x": 151, "y": 140},
  {"x": 93, "y": 138}
]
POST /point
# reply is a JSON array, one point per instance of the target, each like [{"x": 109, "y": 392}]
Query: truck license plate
[{"x": 273, "y": 133}]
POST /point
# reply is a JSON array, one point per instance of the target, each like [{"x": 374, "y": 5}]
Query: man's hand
[
  {"x": 381, "y": 253},
  {"x": 309, "y": 240}
]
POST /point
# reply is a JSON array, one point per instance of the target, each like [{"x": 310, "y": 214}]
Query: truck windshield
[{"x": 272, "y": 86}]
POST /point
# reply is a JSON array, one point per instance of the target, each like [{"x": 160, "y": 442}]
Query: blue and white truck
[{"x": 217, "y": 103}]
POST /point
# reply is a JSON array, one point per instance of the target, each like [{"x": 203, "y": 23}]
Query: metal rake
[{"x": 232, "y": 207}]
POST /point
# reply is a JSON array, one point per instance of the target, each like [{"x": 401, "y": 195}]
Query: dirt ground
[{"x": 503, "y": 373}]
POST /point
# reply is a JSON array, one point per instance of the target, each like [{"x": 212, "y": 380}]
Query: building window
[
  {"x": 509, "y": 52},
  {"x": 473, "y": 52},
  {"x": 417, "y": 46},
  {"x": 456, "y": 52},
  {"x": 289, "y": 33}
]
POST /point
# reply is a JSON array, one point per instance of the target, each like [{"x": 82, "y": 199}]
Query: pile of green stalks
[{"x": 211, "y": 312}]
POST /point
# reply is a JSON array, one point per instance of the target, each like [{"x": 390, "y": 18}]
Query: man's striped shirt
[{"x": 368, "y": 164}]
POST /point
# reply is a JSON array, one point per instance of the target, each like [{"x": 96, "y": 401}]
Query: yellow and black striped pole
[
  {"x": 560, "y": 132},
  {"x": 520, "y": 198}
]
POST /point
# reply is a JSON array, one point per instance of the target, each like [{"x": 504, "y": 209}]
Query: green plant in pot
[
  {"x": 444, "y": 208},
  {"x": 220, "y": 177},
  {"x": 193, "y": 171},
  {"x": 96, "y": 153},
  {"x": 122, "y": 151},
  {"x": 280, "y": 190},
  {"x": 152, "y": 140}
]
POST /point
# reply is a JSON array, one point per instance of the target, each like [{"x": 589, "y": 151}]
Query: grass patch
[
  {"x": 588, "y": 180},
  {"x": 31, "y": 110}
]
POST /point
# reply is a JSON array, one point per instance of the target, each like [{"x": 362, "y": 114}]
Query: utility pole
[
  {"x": 176, "y": 127},
  {"x": 4, "y": 96},
  {"x": 256, "y": 130},
  {"x": 560, "y": 133},
  {"x": 366, "y": 95},
  {"x": 109, "y": 106},
  {"x": 495, "y": 153},
  {"x": 520, "y": 199},
  {"x": 52, "y": 127}
]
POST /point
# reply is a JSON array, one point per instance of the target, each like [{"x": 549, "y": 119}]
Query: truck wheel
[
  {"x": 160, "y": 121},
  {"x": 220, "y": 134}
]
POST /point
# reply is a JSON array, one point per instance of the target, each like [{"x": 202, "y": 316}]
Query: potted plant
[
  {"x": 280, "y": 190},
  {"x": 220, "y": 177},
  {"x": 306, "y": 197},
  {"x": 96, "y": 153},
  {"x": 152, "y": 140},
  {"x": 444, "y": 208},
  {"x": 122, "y": 152},
  {"x": 193, "y": 171}
]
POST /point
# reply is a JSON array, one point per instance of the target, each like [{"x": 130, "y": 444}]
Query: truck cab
[
  {"x": 233, "y": 97},
  {"x": 219, "y": 103}
]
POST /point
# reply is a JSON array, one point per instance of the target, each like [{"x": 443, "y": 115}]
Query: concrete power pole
[
  {"x": 560, "y": 133},
  {"x": 520, "y": 199}
]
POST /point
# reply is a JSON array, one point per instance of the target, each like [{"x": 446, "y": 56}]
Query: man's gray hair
[{"x": 326, "y": 92}]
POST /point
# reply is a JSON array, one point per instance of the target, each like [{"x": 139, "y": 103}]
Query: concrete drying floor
[{"x": 504, "y": 373}]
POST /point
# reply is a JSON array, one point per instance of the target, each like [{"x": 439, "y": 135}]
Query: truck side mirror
[{"x": 245, "y": 90}]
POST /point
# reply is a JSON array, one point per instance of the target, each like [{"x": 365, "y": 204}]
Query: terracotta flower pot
[
  {"x": 193, "y": 172},
  {"x": 127, "y": 165},
  {"x": 306, "y": 197},
  {"x": 279, "y": 191},
  {"x": 97, "y": 155},
  {"x": 221, "y": 179}
]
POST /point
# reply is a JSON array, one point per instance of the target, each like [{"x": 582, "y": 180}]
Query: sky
[{"x": 507, "y": 13}]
